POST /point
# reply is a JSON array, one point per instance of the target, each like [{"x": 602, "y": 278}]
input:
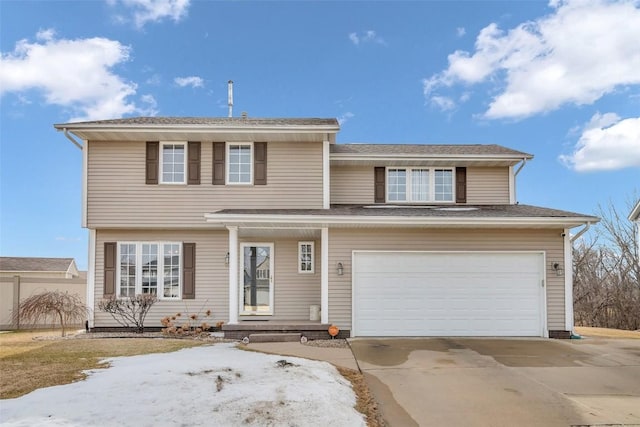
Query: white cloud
[
  {"x": 581, "y": 51},
  {"x": 145, "y": 11},
  {"x": 443, "y": 103},
  {"x": 460, "y": 31},
  {"x": 75, "y": 74},
  {"x": 193, "y": 81},
  {"x": 369, "y": 36},
  {"x": 345, "y": 117},
  {"x": 606, "y": 143}
]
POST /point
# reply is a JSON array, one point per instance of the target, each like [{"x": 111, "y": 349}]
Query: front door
[{"x": 256, "y": 269}]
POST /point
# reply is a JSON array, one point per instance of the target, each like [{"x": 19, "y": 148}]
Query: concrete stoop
[{"x": 275, "y": 337}]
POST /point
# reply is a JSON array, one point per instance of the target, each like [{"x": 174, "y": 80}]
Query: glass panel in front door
[{"x": 257, "y": 279}]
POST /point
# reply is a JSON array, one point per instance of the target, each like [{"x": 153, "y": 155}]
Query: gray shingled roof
[
  {"x": 210, "y": 121},
  {"x": 34, "y": 264},
  {"x": 453, "y": 211},
  {"x": 427, "y": 149}
]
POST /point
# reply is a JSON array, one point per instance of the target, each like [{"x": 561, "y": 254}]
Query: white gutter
[
  {"x": 402, "y": 221},
  {"x": 581, "y": 232},
  {"x": 70, "y": 138}
]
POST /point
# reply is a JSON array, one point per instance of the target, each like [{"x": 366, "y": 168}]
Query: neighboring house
[
  {"x": 634, "y": 216},
  {"x": 265, "y": 218},
  {"x": 22, "y": 277}
]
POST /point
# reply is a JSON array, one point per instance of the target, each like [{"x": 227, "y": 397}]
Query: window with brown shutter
[
  {"x": 189, "y": 271},
  {"x": 379, "y": 185},
  {"x": 193, "y": 166},
  {"x": 260, "y": 163},
  {"x": 461, "y": 185},
  {"x": 152, "y": 162},
  {"x": 110, "y": 254},
  {"x": 219, "y": 150}
]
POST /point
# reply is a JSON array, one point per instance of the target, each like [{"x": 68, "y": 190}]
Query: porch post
[
  {"x": 324, "y": 275},
  {"x": 233, "y": 275}
]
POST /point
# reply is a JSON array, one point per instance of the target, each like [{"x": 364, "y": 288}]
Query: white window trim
[
  {"x": 161, "y": 163},
  {"x": 313, "y": 257},
  {"x": 432, "y": 184},
  {"x": 138, "y": 288},
  {"x": 241, "y": 309},
  {"x": 226, "y": 163}
]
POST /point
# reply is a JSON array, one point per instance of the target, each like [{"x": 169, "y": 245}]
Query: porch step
[{"x": 275, "y": 337}]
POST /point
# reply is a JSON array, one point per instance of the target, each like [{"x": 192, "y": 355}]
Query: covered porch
[{"x": 278, "y": 282}]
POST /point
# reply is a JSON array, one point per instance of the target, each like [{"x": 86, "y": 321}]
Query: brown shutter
[
  {"x": 193, "y": 167},
  {"x": 461, "y": 185},
  {"x": 260, "y": 163},
  {"x": 379, "y": 184},
  {"x": 218, "y": 163},
  {"x": 188, "y": 271},
  {"x": 110, "y": 255},
  {"x": 153, "y": 157}
]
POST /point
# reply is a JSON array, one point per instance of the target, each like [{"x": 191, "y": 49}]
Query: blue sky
[{"x": 559, "y": 80}]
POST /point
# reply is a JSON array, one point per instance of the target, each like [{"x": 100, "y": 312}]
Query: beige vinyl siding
[
  {"x": 117, "y": 196},
  {"x": 352, "y": 185},
  {"x": 343, "y": 241},
  {"x": 293, "y": 292},
  {"x": 212, "y": 277},
  {"x": 487, "y": 186}
]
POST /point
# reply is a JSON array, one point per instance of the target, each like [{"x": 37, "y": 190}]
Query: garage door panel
[{"x": 447, "y": 294}]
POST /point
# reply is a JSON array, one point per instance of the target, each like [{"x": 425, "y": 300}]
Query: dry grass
[
  {"x": 607, "y": 333},
  {"x": 365, "y": 403},
  {"x": 27, "y": 364}
]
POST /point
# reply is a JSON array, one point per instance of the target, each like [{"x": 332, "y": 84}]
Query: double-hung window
[
  {"x": 240, "y": 163},
  {"x": 420, "y": 185},
  {"x": 149, "y": 268},
  {"x": 172, "y": 162},
  {"x": 305, "y": 257}
]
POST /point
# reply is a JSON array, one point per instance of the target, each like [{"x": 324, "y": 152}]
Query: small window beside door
[{"x": 305, "y": 257}]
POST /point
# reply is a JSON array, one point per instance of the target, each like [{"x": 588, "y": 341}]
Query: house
[
  {"x": 634, "y": 216},
  {"x": 22, "y": 277},
  {"x": 260, "y": 219}
]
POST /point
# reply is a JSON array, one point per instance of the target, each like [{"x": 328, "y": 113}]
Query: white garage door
[{"x": 448, "y": 294}]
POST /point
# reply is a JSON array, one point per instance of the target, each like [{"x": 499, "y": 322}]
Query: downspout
[
  {"x": 524, "y": 162},
  {"x": 72, "y": 139},
  {"x": 581, "y": 232},
  {"x": 512, "y": 182},
  {"x": 569, "y": 253}
]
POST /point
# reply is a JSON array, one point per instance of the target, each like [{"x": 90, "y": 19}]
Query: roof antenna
[{"x": 230, "y": 98}]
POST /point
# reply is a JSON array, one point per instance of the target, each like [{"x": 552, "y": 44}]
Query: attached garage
[{"x": 399, "y": 293}]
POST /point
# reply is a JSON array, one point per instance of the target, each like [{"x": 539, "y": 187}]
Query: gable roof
[
  {"x": 454, "y": 215},
  {"x": 635, "y": 213},
  {"x": 209, "y": 121},
  {"x": 430, "y": 150},
  {"x": 203, "y": 128},
  {"x": 425, "y": 155},
  {"x": 24, "y": 264}
]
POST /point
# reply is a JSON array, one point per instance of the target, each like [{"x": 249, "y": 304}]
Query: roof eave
[
  {"x": 635, "y": 213},
  {"x": 403, "y": 221},
  {"x": 71, "y": 127}
]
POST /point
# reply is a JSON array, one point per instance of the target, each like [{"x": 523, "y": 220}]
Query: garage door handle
[{"x": 542, "y": 282}]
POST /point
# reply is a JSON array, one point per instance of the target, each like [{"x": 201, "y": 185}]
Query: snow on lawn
[{"x": 216, "y": 385}]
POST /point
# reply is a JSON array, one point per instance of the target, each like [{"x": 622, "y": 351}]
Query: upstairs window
[
  {"x": 420, "y": 185},
  {"x": 240, "y": 163},
  {"x": 172, "y": 163}
]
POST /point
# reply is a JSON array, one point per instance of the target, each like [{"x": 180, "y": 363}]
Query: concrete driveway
[{"x": 503, "y": 382}]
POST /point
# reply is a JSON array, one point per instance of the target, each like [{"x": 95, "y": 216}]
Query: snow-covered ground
[{"x": 216, "y": 385}]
